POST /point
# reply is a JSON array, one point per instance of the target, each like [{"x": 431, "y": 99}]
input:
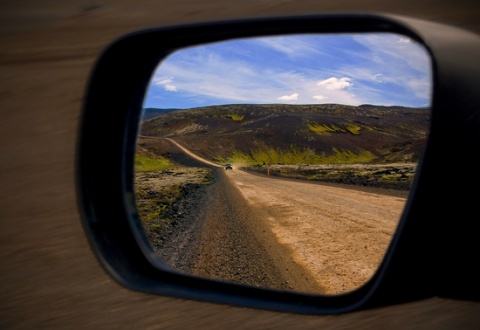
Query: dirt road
[
  {"x": 237, "y": 245},
  {"x": 288, "y": 234},
  {"x": 338, "y": 235}
]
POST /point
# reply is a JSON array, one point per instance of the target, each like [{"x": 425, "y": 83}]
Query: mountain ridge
[{"x": 292, "y": 134}]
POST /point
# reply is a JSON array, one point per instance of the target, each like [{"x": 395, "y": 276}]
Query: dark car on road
[{"x": 228, "y": 166}]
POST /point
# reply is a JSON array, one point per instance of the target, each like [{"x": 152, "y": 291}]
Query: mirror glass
[{"x": 282, "y": 162}]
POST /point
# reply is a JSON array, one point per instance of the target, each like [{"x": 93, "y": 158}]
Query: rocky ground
[
  {"x": 184, "y": 221},
  {"x": 195, "y": 233},
  {"x": 398, "y": 176},
  {"x": 167, "y": 202}
]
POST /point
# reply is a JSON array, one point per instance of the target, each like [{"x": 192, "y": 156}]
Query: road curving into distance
[
  {"x": 293, "y": 235},
  {"x": 191, "y": 154}
]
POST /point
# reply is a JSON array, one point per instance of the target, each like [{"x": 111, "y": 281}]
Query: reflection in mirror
[{"x": 322, "y": 135}]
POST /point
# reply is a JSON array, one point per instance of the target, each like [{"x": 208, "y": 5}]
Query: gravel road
[
  {"x": 337, "y": 234},
  {"x": 237, "y": 245},
  {"x": 282, "y": 234}
]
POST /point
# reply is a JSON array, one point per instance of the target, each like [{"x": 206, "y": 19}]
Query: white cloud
[
  {"x": 228, "y": 80},
  {"x": 205, "y": 74},
  {"x": 292, "y": 97},
  {"x": 421, "y": 87},
  {"x": 165, "y": 83},
  {"x": 396, "y": 51},
  {"x": 170, "y": 88},
  {"x": 335, "y": 83}
]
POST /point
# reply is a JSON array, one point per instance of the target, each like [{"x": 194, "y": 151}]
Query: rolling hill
[
  {"x": 149, "y": 113},
  {"x": 297, "y": 134}
]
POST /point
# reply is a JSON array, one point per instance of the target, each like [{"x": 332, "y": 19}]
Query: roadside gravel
[{"x": 274, "y": 233}]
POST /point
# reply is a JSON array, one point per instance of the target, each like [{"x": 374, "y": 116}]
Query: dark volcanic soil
[{"x": 275, "y": 133}]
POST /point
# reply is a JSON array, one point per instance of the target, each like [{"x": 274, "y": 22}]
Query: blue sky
[{"x": 353, "y": 69}]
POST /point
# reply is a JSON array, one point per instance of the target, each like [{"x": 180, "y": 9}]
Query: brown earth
[
  {"x": 256, "y": 230},
  {"x": 337, "y": 234}
]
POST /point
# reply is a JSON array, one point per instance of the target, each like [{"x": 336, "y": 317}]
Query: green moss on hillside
[
  {"x": 323, "y": 129},
  {"x": 264, "y": 133},
  {"x": 235, "y": 117},
  {"x": 296, "y": 155},
  {"x": 348, "y": 157},
  {"x": 354, "y": 129},
  {"x": 145, "y": 163}
]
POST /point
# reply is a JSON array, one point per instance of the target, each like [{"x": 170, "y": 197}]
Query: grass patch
[
  {"x": 152, "y": 204},
  {"x": 319, "y": 129},
  {"x": 349, "y": 157},
  {"x": 235, "y": 117},
  {"x": 145, "y": 163},
  {"x": 323, "y": 129},
  {"x": 297, "y": 155},
  {"x": 354, "y": 129}
]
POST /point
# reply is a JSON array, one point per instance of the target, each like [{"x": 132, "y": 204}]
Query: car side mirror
[
  {"x": 418, "y": 261},
  {"x": 325, "y": 133}
]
